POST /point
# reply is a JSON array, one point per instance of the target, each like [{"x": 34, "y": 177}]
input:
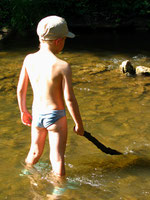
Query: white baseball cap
[{"x": 52, "y": 28}]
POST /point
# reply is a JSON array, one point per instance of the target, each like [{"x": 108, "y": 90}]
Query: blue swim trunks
[{"x": 45, "y": 120}]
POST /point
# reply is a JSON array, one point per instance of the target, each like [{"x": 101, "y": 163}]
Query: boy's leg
[
  {"x": 38, "y": 136},
  {"x": 57, "y": 141}
]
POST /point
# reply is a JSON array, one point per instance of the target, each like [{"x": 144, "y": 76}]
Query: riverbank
[{"x": 137, "y": 24}]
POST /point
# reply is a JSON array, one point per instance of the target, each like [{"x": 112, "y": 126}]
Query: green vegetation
[{"x": 23, "y": 15}]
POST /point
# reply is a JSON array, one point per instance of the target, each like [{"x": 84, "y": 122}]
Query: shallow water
[{"x": 114, "y": 108}]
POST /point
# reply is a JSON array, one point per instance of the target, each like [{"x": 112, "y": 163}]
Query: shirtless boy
[{"x": 51, "y": 83}]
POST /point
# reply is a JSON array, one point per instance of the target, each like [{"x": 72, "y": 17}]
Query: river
[{"x": 115, "y": 109}]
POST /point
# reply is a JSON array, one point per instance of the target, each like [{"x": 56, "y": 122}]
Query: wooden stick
[{"x": 101, "y": 146}]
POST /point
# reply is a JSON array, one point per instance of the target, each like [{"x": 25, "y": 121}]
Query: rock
[
  {"x": 128, "y": 74},
  {"x": 127, "y": 68},
  {"x": 5, "y": 30},
  {"x": 141, "y": 70},
  {"x": 4, "y": 33}
]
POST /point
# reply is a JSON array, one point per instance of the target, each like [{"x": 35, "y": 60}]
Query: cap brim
[{"x": 70, "y": 35}]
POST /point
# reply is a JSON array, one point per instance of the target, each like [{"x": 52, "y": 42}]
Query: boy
[{"x": 51, "y": 82}]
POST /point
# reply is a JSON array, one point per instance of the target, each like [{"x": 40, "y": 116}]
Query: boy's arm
[
  {"x": 21, "y": 96},
  {"x": 71, "y": 101}
]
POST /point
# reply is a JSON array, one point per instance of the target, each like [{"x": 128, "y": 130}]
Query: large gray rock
[
  {"x": 141, "y": 70},
  {"x": 127, "y": 68}
]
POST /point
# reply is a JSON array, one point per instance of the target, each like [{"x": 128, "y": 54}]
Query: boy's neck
[{"x": 44, "y": 47}]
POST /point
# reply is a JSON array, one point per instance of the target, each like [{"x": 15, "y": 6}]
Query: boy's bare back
[{"x": 46, "y": 73}]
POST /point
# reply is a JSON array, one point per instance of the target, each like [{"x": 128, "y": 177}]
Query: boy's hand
[
  {"x": 26, "y": 118},
  {"x": 79, "y": 130}
]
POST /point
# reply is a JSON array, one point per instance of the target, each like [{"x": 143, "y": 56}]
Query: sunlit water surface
[{"x": 114, "y": 108}]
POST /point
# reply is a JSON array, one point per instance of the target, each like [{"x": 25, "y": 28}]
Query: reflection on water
[{"x": 114, "y": 108}]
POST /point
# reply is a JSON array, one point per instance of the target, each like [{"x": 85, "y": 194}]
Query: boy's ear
[{"x": 58, "y": 41}]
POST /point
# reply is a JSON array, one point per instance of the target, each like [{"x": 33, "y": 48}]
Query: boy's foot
[{"x": 25, "y": 172}]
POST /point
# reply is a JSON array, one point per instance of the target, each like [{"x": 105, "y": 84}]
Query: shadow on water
[
  {"x": 112, "y": 41},
  {"x": 93, "y": 40}
]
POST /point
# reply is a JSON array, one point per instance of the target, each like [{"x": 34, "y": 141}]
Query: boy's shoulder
[
  {"x": 28, "y": 57},
  {"x": 63, "y": 64}
]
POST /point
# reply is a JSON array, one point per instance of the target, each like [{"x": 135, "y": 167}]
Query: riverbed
[{"x": 115, "y": 109}]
